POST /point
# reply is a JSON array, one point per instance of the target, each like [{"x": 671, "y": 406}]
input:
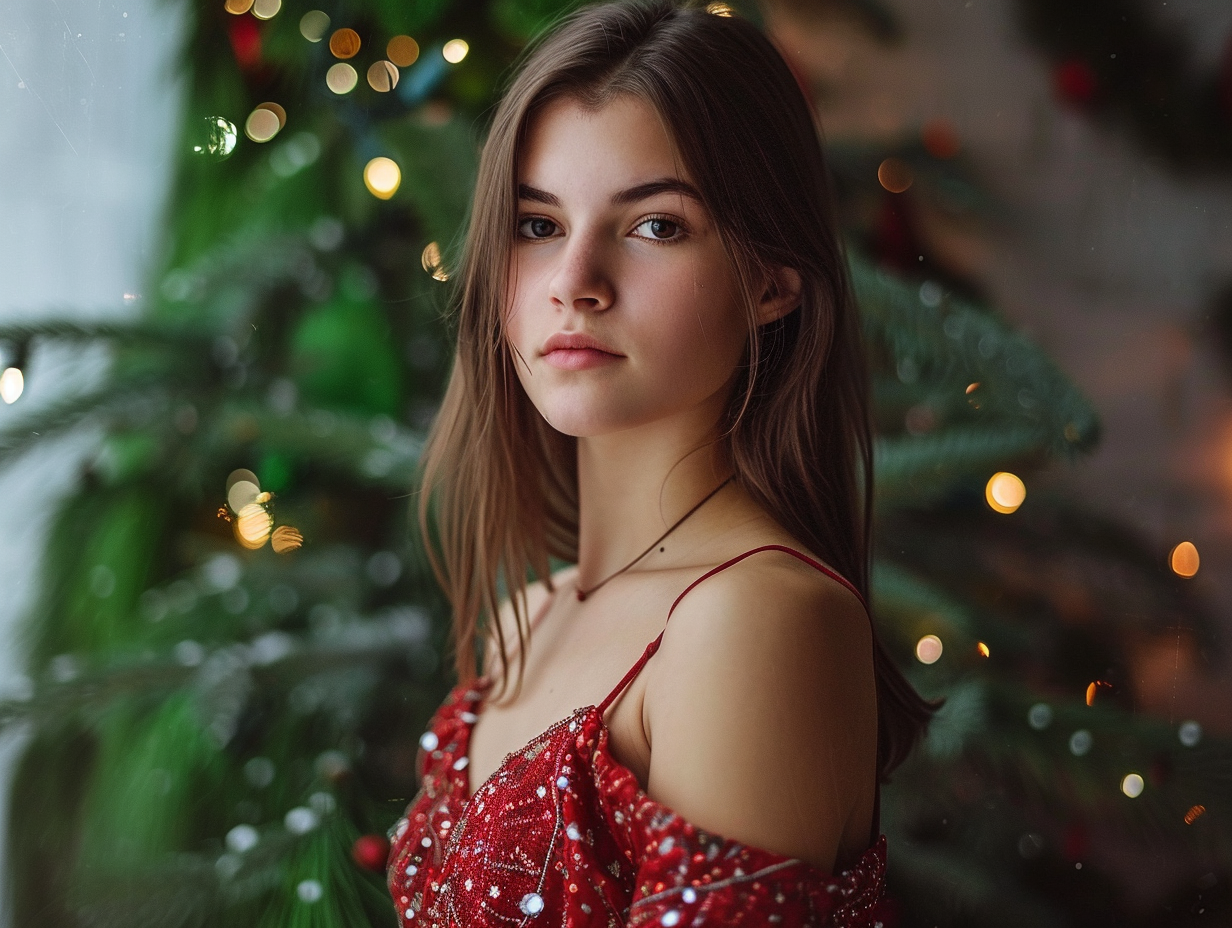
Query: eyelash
[{"x": 682, "y": 230}]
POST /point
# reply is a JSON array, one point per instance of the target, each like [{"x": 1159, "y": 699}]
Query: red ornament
[
  {"x": 245, "y": 35},
  {"x": 1074, "y": 82},
  {"x": 371, "y": 852},
  {"x": 940, "y": 138}
]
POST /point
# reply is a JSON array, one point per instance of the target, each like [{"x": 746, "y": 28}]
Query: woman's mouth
[{"x": 576, "y": 351}]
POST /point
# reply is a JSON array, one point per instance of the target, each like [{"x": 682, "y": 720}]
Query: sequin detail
[{"x": 563, "y": 834}]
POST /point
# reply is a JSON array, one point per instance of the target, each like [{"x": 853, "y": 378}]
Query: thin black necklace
[{"x": 582, "y": 594}]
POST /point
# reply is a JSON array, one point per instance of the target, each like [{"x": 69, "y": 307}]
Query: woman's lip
[{"x": 578, "y": 359}]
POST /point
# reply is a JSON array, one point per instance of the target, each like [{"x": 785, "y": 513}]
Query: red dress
[{"x": 563, "y": 835}]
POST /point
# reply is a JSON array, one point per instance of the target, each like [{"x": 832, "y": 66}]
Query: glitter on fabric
[{"x": 562, "y": 834}]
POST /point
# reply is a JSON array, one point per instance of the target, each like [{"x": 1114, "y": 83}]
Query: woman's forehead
[{"x": 571, "y": 150}]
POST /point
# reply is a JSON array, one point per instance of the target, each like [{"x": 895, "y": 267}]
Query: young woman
[{"x": 659, "y": 380}]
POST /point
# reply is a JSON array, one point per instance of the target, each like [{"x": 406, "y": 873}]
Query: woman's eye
[
  {"x": 536, "y": 227},
  {"x": 661, "y": 230}
]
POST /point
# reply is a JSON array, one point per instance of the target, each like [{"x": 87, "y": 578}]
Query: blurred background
[{"x": 226, "y": 240}]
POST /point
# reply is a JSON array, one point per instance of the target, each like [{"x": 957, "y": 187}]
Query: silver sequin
[
  {"x": 428, "y": 741},
  {"x": 531, "y": 904}
]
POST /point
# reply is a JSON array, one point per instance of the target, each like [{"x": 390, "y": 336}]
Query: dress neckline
[{"x": 469, "y": 718}]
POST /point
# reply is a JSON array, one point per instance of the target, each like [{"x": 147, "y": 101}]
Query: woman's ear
[{"x": 780, "y": 295}]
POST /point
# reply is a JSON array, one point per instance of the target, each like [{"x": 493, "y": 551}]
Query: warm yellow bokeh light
[
  {"x": 1184, "y": 559},
  {"x": 237, "y": 7},
  {"x": 982, "y": 648},
  {"x": 252, "y": 526},
  {"x": 286, "y": 539},
  {"x": 382, "y": 177},
  {"x": 344, "y": 43},
  {"x": 895, "y": 175},
  {"x": 1005, "y": 492},
  {"x": 402, "y": 50},
  {"x": 1194, "y": 813},
  {"x": 1132, "y": 785},
  {"x": 12, "y": 384},
  {"x": 455, "y": 50},
  {"x": 719, "y": 9},
  {"x": 431, "y": 261},
  {"x": 928, "y": 649},
  {"x": 341, "y": 78}
]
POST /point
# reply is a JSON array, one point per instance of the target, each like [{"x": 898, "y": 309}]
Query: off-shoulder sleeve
[{"x": 688, "y": 877}]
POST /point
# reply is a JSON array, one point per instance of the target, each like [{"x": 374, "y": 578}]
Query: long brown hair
[{"x": 500, "y": 484}]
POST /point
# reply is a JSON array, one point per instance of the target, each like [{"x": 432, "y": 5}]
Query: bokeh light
[
  {"x": 928, "y": 649},
  {"x": 455, "y": 50},
  {"x": 1080, "y": 742},
  {"x": 1189, "y": 734},
  {"x": 1005, "y": 492},
  {"x": 1184, "y": 559},
  {"x": 1194, "y": 813},
  {"x": 12, "y": 385},
  {"x": 313, "y": 25},
  {"x": 262, "y": 124},
  {"x": 253, "y": 526},
  {"x": 382, "y": 76},
  {"x": 895, "y": 175},
  {"x": 982, "y": 648},
  {"x": 237, "y": 7},
  {"x": 402, "y": 50},
  {"x": 382, "y": 176},
  {"x": 1132, "y": 785},
  {"x": 341, "y": 78},
  {"x": 344, "y": 43},
  {"x": 266, "y": 9},
  {"x": 286, "y": 539},
  {"x": 218, "y": 138},
  {"x": 242, "y": 493},
  {"x": 432, "y": 262},
  {"x": 719, "y": 9}
]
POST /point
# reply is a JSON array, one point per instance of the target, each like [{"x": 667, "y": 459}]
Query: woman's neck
[{"x": 634, "y": 484}]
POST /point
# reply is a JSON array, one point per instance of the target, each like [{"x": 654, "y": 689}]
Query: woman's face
[{"x": 623, "y": 309}]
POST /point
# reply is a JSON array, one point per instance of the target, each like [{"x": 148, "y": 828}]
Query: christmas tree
[{"x": 239, "y": 640}]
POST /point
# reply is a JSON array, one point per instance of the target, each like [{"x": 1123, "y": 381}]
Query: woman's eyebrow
[{"x": 622, "y": 197}]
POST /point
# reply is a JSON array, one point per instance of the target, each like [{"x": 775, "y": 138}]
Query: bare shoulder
[
  {"x": 764, "y": 693},
  {"x": 534, "y": 597}
]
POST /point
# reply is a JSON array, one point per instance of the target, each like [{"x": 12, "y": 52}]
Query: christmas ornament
[{"x": 371, "y": 852}]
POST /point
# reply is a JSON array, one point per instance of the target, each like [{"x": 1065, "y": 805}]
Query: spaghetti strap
[{"x": 654, "y": 645}]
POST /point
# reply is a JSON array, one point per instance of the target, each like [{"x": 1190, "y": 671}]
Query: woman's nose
[{"x": 582, "y": 279}]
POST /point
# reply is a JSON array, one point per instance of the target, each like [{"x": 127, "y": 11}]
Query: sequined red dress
[{"x": 563, "y": 835}]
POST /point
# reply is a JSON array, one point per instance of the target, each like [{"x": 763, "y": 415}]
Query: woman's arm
[{"x": 762, "y": 711}]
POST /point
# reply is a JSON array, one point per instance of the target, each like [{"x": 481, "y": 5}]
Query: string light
[
  {"x": 382, "y": 177},
  {"x": 432, "y": 263},
  {"x": 1005, "y": 492},
  {"x": 895, "y": 175},
  {"x": 253, "y": 525},
  {"x": 1194, "y": 813},
  {"x": 382, "y": 76},
  {"x": 12, "y": 385},
  {"x": 341, "y": 78},
  {"x": 982, "y": 648},
  {"x": 455, "y": 50},
  {"x": 313, "y": 25},
  {"x": 13, "y": 378},
  {"x": 1184, "y": 559},
  {"x": 286, "y": 539},
  {"x": 1132, "y": 785},
  {"x": 402, "y": 50},
  {"x": 928, "y": 649},
  {"x": 344, "y": 43},
  {"x": 1094, "y": 688}
]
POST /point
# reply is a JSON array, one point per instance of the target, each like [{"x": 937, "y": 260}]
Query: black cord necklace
[{"x": 582, "y": 594}]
